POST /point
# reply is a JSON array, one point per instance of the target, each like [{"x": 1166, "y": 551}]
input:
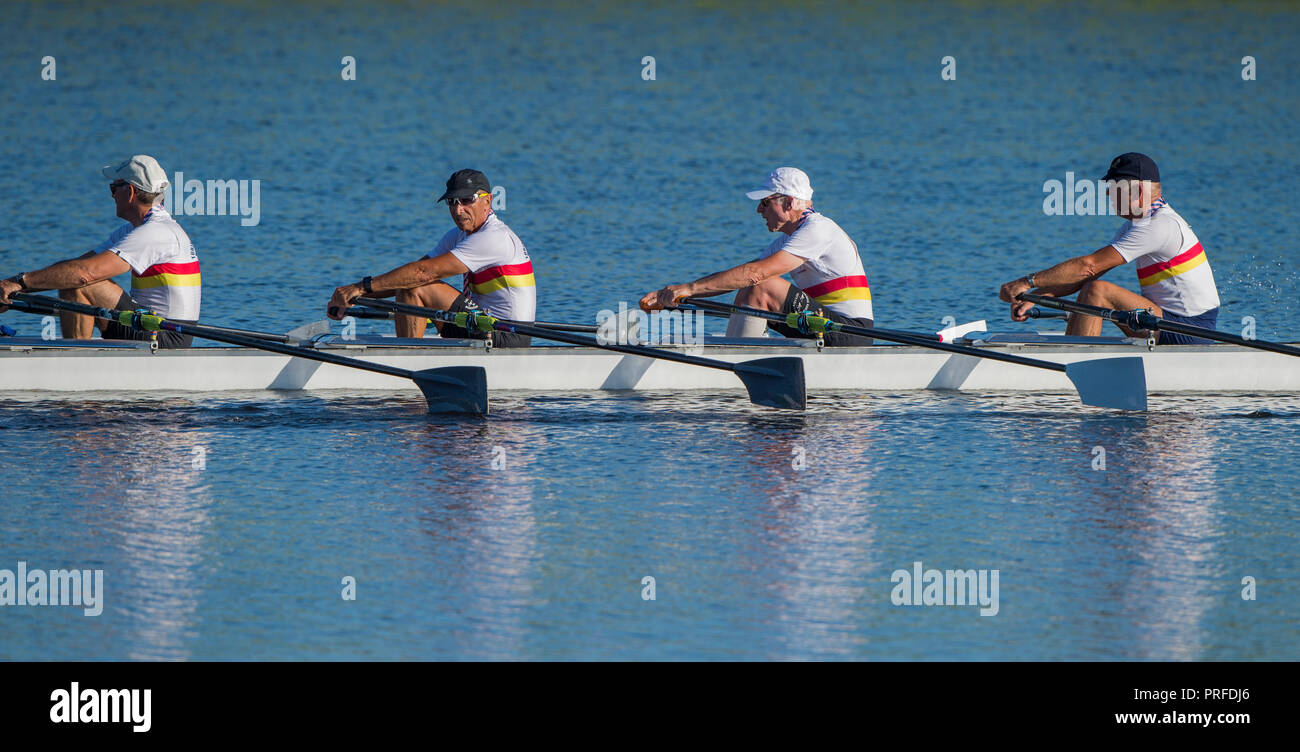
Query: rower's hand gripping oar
[
  {"x": 771, "y": 382},
  {"x": 1142, "y": 319},
  {"x": 1118, "y": 383},
  {"x": 452, "y": 389}
]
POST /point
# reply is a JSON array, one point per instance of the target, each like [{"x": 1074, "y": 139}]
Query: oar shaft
[
  {"x": 742, "y": 309},
  {"x": 1145, "y": 320},
  {"x": 574, "y": 339},
  {"x": 298, "y": 352},
  {"x": 904, "y": 338},
  {"x": 724, "y": 309},
  {"x": 911, "y": 339},
  {"x": 251, "y": 333}
]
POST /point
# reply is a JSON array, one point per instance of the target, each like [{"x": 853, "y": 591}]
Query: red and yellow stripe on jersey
[
  {"x": 167, "y": 275},
  {"x": 500, "y": 277},
  {"x": 840, "y": 290},
  {"x": 1182, "y": 263}
]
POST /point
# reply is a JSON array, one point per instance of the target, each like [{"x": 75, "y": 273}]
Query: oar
[
  {"x": 1141, "y": 319},
  {"x": 1104, "y": 382},
  {"x": 1038, "y": 313},
  {"x": 460, "y": 389},
  {"x": 726, "y": 314},
  {"x": 772, "y": 382},
  {"x": 305, "y": 332},
  {"x": 362, "y": 312}
]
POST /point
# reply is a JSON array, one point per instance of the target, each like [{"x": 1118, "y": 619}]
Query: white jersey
[
  {"x": 832, "y": 272},
  {"x": 500, "y": 278},
  {"x": 1171, "y": 265},
  {"x": 164, "y": 265}
]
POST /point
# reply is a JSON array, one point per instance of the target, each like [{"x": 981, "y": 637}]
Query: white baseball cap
[
  {"x": 787, "y": 181},
  {"x": 141, "y": 170}
]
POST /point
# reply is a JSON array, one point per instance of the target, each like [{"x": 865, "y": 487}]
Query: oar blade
[
  {"x": 454, "y": 389},
  {"x": 775, "y": 382},
  {"x": 1119, "y": 383}
]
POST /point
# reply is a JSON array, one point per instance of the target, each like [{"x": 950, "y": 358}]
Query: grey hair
[{"x": 149, "y": 199}]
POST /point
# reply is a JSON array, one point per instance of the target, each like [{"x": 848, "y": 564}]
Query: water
[{"x": 225, "y": 523}]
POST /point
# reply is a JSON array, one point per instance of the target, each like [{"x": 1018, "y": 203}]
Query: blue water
[{"x": 225, "y": 523}]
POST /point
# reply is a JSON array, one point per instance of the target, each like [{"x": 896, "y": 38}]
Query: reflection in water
[
  {"x": 813, "y": 481},
  {"x": 481, "y": 515},
  {"x": 542, "y": 558},
  {"x": 143, "y": 477},
  {"x": 1160, "y": 502}
]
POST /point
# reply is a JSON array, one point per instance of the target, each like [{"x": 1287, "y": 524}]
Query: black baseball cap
[
  {"x": 1133, "y": 166},
  {"x": 465, "y": 184}
]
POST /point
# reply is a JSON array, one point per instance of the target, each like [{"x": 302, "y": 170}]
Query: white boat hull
[{"x": 1211, "y": 368}]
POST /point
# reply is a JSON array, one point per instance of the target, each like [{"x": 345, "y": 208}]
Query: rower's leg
[
  {"x": 1107, "y": 295},
  {"x": 104, "y": 294},
  {"x": 769, "y": 295},
  {"x": 439, "y": 295}
]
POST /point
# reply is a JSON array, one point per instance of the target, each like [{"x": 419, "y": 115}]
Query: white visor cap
[
  {"x": 787, "y": 181},
  {"x": 141, "y": 170}
]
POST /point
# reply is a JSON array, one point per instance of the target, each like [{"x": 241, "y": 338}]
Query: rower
[
  {"x": 497, "y": 271},
  {"x": 152, "y": 246},
  {"x": 1173, "y": 272},
  {"x": 820, "y": 257}
]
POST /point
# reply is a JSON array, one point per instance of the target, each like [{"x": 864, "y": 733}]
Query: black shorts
[
  {"x": 166, "y": 340},
  {"x": 797, "y": 300},
  {"x": 499, "y": 339}
]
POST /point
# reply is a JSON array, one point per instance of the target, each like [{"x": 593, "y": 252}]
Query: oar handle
[
  {"x": 1133, "y": 319},
  {"x": 360, "y": 312},
  {"x": 21, "y": 305}
]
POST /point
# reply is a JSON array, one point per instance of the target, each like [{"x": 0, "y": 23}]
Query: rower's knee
[
  {"x": 436, "y": 295},
  {"x": 1093, "y": 293},
  {"x": 759, "y": 296}
]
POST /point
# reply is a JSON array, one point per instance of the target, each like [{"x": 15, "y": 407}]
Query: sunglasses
[
  {"x": 768, "y": 201},
  {"x": 465, "y": 201},
  {"x": 113, "y": 186}
]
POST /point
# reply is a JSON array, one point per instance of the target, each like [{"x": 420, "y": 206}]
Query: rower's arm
[
  {"x": 745, "y": 275},
  {"x": 1066, "y": 277},
  {"x": 420, "y": 273},
  {"x": 78, "y": 272},
  {"x": 415, "y": 274}
]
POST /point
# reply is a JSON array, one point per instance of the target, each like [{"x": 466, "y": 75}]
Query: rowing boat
[{"x": 35, "y": 365}]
